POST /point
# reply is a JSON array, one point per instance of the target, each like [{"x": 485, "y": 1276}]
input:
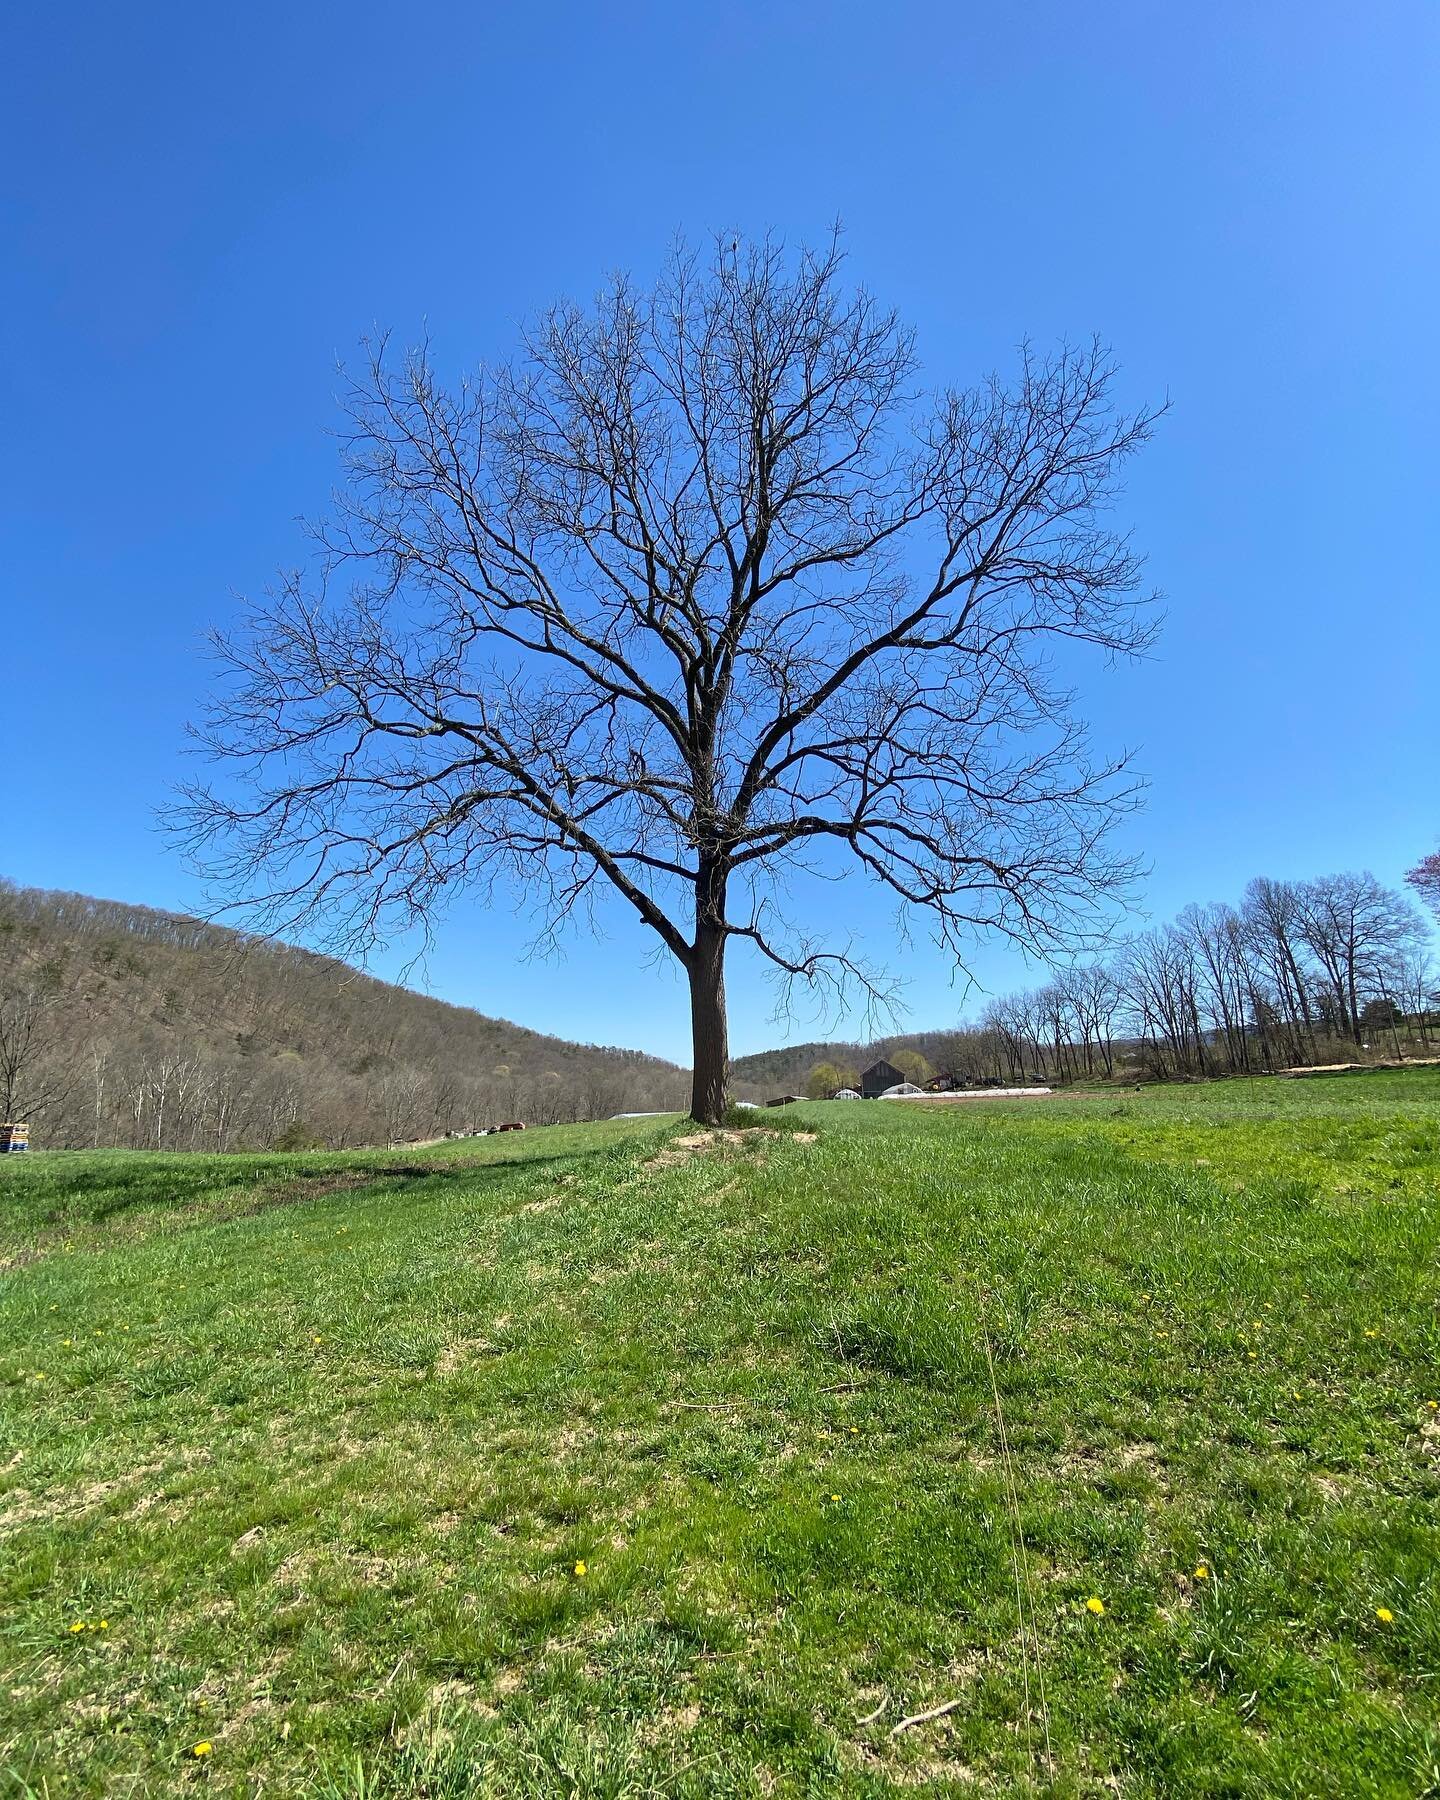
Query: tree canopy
[{"x": 702, "y": 587}]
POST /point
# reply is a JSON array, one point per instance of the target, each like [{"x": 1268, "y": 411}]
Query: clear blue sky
[{"x": 204, "y": 208}]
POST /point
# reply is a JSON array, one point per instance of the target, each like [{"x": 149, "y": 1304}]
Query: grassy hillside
[
  {"x": 605, "y": 1461},
  {"x": 160, "y": 1031}
]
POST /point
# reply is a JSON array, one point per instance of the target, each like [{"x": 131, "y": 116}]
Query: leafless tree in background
[
  {"x": 696, "y": 590},
  {"x": 1425, "y": 879},
  {"x": 1357, "y": 930},
  {"x": 31, "y": 1080}
]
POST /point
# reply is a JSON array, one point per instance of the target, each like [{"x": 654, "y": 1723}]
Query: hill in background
[
  {"x": 787, "y": 1070},
  {"x": 143, "y": 1028}
]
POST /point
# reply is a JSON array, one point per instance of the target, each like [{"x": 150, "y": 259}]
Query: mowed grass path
[{"x": 580, "y": 1463}]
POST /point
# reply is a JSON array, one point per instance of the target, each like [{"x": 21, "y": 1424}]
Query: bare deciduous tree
[
  {"x": 30, "y": 1079},
  {"x": 1357, "y": 931},
  {"x": 1425, "y": 879},
  {"x": 697, "y": 591}
]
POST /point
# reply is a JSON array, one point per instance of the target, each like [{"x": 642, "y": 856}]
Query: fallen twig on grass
[
  {"x": 870, "y": 1718},
  {"x": 935, "y": 1712}
]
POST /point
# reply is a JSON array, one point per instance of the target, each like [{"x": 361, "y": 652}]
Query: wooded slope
[{"x": 145, "y": 1028}]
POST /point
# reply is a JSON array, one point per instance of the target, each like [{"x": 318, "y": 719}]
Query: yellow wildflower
[
  {"x": 1202, "y": 1572},
  {"x": 834, "y": 1496},
  {"x": 1095, "y": 1605},
  {"x": 580, "y": 1568},
  {"x": 203, "y": 1748},
  {"x": 1384, "y": 1615},
  {"x": 79, "y": 1625},
  {"x": 1372, "y": 1334}
]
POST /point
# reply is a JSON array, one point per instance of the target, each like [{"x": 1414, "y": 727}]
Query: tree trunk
[{"x": 708, "y": 1026}]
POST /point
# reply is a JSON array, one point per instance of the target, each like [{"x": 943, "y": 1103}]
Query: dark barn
[{"x": 878, "y": 1077}]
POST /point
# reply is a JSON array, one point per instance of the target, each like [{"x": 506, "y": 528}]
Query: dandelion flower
[
  {"x": 203, "y": 1748},
  {"x": 1434, "y": 1405},
  {"x": 1384, "y": 1615},
  {"x": 580, "y": 1568},
  {"x": 1372, "y": 1334},
  {"x": 79, "y": 1625},
  {"x": 834, "y": 1496},
  {"x": 1095, "y": 1605},
  {"x": 1202, "y": 1571},
  {"x": 104, "y": 1625}
]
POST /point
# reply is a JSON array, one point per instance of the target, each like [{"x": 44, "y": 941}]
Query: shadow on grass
[{"x": 138, "y": 1194}]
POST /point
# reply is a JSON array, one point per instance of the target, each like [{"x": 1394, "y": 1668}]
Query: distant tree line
[
  {"x": 1299, "y": 973},
  {"x": 1335, "y": 969}
]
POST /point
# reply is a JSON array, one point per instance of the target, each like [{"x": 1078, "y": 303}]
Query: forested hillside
[
  {"x": 788, "y": 1070},
  {"x": 120, "y": 1025}
]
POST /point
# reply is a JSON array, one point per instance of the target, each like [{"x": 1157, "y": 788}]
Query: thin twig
[
  {"x": 870, "y": 1718},
  {"x": 935, "y": 1712}
]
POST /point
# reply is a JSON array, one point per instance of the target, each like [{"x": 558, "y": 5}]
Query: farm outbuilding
[{"x": 879, "y": 1076}]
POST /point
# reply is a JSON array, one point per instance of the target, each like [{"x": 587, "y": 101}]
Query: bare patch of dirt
[
  {"x": 27, "y": 1508},
  {"x": 721, "y": 1139},
  {"x": 674, "y": 1722},
  {"x": 463, "y": 1351}
]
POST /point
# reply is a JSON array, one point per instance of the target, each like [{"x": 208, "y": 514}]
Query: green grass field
[{"x": 586, "y": 1463}]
